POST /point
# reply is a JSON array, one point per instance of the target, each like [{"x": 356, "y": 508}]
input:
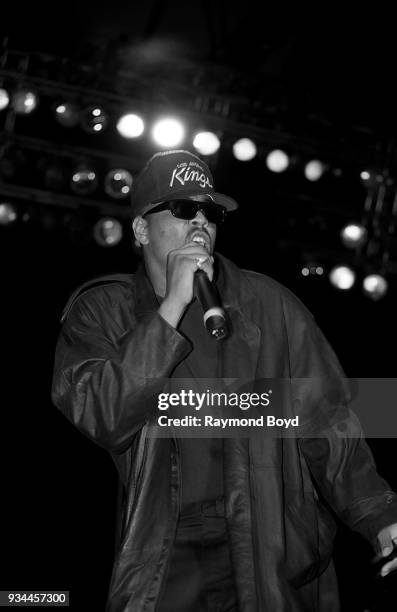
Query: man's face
[{"x": 166, "y": 233}]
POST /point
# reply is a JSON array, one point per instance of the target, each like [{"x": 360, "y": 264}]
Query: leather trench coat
[{"x": 113, "y": 355}]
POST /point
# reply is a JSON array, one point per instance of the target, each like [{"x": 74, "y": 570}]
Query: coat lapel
[{"x": 240, "y": 351}]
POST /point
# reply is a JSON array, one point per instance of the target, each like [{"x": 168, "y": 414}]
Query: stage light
[
  {"x": 277, "y": 160},
  {"x": 353, "y": 235},
  {"x": 342, "y": 277},
  {"x": 206, "y": 143},
  {"x": 67, "y": 114},
  {"x": 375, "y": 286},
  {"x": 168, "y": 132},
  {"x": 94, "y": 119},
  {"x": 130, "y": 126},
  {"x": 84, "y": 180},
  {"x": 8, "y": 214},
  {"x": 314, "y": 170},
  {"x": 244, "y": 149},
  {"x": 24, "y": 101},
  {"x": 108, "y": 232},
  {"x": 371, "y": 178},
  {"x": 118, "y": 183},
  {"x": 312, "y": 270},
  {"x": 365, "y": 175},
  {"x": 4, "y": 98}
]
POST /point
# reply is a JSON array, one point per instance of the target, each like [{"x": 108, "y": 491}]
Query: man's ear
[{"x": 140, "y": 229}]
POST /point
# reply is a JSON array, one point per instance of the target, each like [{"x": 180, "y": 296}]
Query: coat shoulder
[
  {"x": 98, "y": 289},
  {"x": 269, "y": 289}
]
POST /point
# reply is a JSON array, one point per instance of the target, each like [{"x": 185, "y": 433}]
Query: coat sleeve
[
  {"x": 107, "y": 384},
  {"x": 337, "y": 454}
]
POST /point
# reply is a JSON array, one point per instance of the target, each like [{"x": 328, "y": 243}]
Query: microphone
[{"x": 214, "y": 316}]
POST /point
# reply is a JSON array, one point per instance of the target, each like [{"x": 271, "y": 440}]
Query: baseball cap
[{"x": 174, "y": 175}]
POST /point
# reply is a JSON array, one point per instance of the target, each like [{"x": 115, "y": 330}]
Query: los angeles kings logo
[{"x": 191, "y": 172}]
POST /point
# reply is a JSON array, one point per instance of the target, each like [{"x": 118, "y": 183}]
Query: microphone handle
[{"x": 214, "y": 315}]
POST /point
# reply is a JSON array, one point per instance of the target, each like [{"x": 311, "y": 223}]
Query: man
[{"x": 213, "y": 524}]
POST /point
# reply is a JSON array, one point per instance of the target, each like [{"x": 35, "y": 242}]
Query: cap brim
[{"x": 217, "y": 198}]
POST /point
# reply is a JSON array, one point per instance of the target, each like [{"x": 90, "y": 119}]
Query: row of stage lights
[
  {"x": 343, "y": 277},
  {"x": 368, "y": 235},
  {"x": 84, "y": 179},
  {"x": 118, "y": 182},
  {"x": 167, "y": 132},
  {"x": 108, "y": 232}
]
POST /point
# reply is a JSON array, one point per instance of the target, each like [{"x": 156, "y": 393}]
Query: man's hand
[
  {"x": 182, "y": 264},
  {"x": 181, "y": 267},
  {"x": 386, "y": 540}
]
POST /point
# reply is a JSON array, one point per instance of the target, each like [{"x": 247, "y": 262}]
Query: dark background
[{"x": 330, "y": 85}]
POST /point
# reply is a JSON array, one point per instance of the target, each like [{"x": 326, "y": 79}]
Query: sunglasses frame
[{"x": 200, "y": 206}]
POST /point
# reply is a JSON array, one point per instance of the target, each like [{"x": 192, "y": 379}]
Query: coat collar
[{"x": 145, "y": 298}]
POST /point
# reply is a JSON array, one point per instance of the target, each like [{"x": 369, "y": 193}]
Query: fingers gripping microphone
[{"x": 214, "y": 315}]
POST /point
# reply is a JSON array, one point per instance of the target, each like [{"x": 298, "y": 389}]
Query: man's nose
[{"x": 200, "y": 219}]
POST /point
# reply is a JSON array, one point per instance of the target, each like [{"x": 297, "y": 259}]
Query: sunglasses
[{"x": 188, "y": 209}]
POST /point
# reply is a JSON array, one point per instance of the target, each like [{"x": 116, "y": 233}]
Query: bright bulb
[
  {"x": 277, "y": 161},
  {"x": 4, "y": 98},
  {"x": 83, "y": 180},
  {"x": 375, "y": 286},
  {"x": 108, "y": 232},
  {"x": 130, "y": 126},
  {"x": 168, "y": 132},
  {"x": 314, "y": 170},
  {"x": 67, "y": 114},
  {"x": 342, "y": 277},
  {"x": 206, "y": 143},
  {"x": 7, "y": 213},
  {"x": 353, "y": 234},
  {"x": 118, "y": 183},
  {"x": 24, "y": 102},
  {"x": 244, "y": 149},
  {"x": 94, "y": 120}
]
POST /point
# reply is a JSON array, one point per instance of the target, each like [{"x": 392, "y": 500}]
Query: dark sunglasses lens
[
  {"x": 187, "y": 209},
  {"x": 213, "y": 212},
  {"x": 184, "y": 209}
]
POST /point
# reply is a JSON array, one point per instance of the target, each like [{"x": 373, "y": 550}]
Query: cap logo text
[{"x": 188, "y": 175}]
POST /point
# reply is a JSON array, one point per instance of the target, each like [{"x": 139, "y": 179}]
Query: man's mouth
[{"x": 202, "y": 239}]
